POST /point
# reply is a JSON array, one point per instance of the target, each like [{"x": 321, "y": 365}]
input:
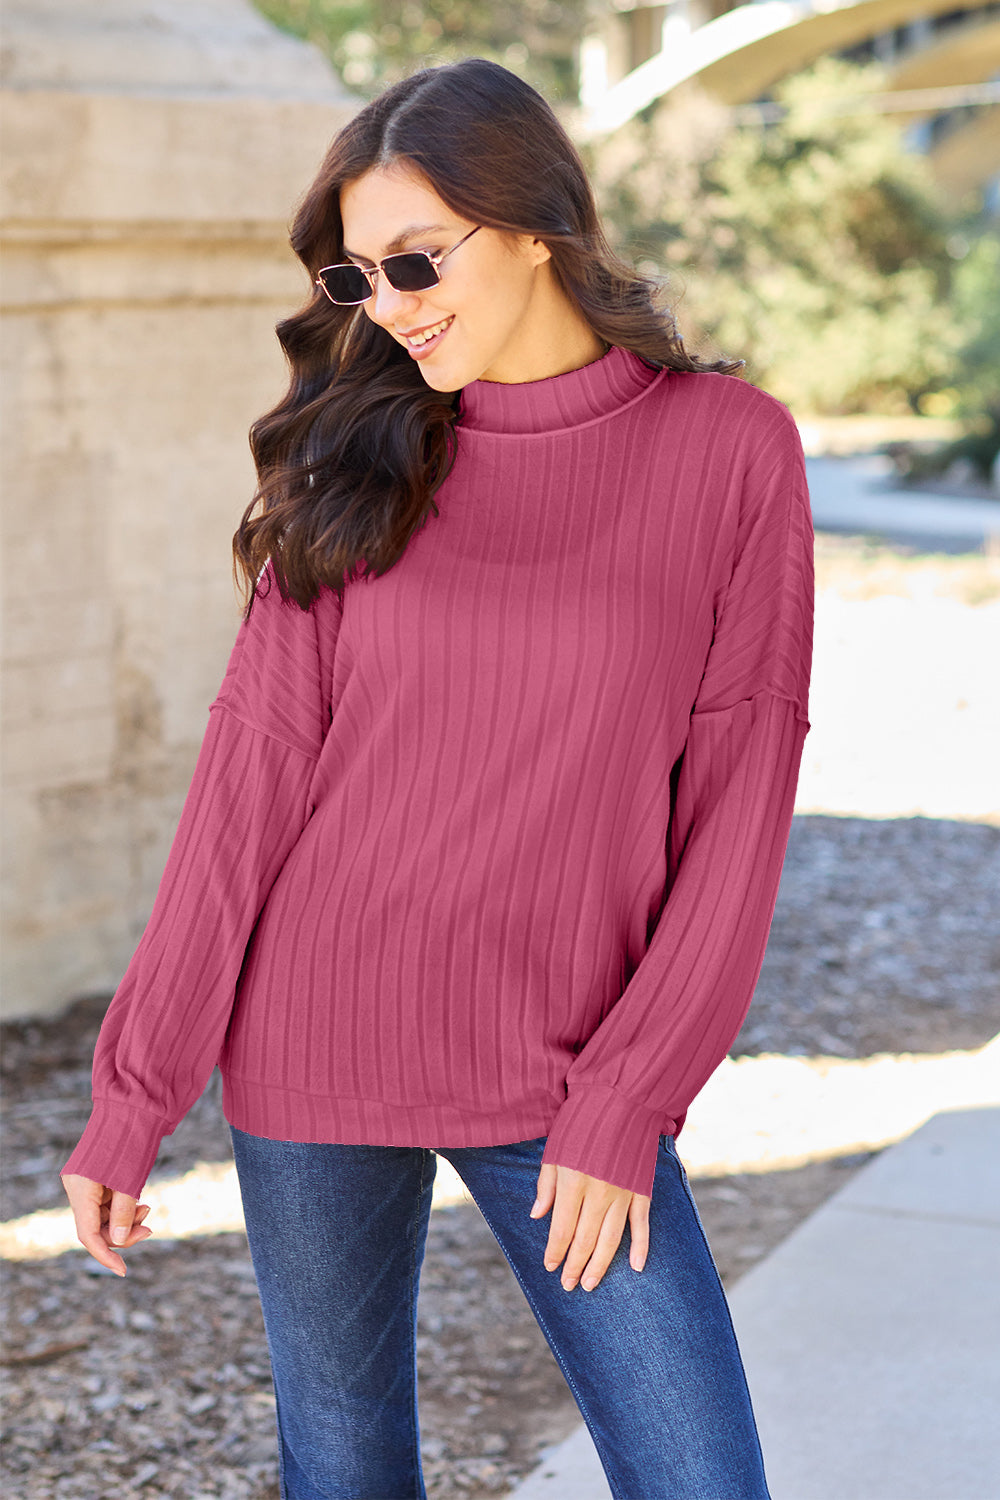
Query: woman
[{"x": 485, "y": 836}]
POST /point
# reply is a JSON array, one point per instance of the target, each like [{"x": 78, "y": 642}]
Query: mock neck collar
[{"x": 571, "y": 400}]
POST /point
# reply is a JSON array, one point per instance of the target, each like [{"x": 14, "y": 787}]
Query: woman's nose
[{"x": 389, "y": 306}]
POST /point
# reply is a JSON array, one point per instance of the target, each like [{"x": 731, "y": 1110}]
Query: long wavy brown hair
[{"x": 349, "y": 460}]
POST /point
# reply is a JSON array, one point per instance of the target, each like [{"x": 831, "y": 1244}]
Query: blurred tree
[
  {"x": 374, "y": 42},
  {"x": 328, "y": 24},
  {"x": 977, "y": 385},
  {"x": 812, "y": 246},
  {"x": 974, "y": 395}
]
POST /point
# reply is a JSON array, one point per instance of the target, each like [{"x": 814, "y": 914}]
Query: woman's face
[{"x": 489, "y": 317}]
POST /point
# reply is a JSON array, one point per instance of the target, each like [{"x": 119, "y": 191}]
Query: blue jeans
[{"x": 337, "y": 1235}]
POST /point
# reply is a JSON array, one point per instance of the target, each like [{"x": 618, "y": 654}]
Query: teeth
[{"x": 419, "y": 339}]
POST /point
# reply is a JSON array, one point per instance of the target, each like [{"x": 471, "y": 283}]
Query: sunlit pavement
[
  {"x": 851, "y": 494},
  {"x": 772, "y": 1113},
  {"x": 904, "y": 709},
  {"x": 905, "y": 700}
]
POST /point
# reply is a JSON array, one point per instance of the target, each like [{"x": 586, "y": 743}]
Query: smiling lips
[{"x": 424, "y": 335}]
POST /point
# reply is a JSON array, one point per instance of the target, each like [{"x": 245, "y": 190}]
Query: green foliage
[
  {"x": 374, "y": 42},
  {"x": 974, "y": 394},
  {"x": 812, "y": 247},
  {"x": 976, "y": 309},
  {"x": 325, "y": 23}
]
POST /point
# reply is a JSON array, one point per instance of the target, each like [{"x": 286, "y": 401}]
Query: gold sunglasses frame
[{"x": 371, "y": 272}]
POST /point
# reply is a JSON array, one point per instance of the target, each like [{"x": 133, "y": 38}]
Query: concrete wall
[{"x": 152, "y": 157}]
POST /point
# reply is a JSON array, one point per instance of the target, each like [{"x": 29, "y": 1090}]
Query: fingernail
[
  {"x": 568, "y": 1286},
  {"x": 534, "y": 1209},
  {"x": 550, "y": 1265},
  {"x": 119, "y": 1234}
]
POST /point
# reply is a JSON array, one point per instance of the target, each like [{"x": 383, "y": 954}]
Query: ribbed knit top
[{"x": 490, "y": 850}]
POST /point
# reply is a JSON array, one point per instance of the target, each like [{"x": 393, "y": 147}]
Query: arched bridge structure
[
  {"x": 741, "y": 54},
  {"x": 959, "y": 57}
]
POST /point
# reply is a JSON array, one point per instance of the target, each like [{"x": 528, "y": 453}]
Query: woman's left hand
[{"x": 587, "y": 1222}]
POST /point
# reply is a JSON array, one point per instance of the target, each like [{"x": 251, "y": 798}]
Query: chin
[{"x": 443, "y": 380}]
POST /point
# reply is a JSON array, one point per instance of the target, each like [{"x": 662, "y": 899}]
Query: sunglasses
[{"x": 412, "y": 271}]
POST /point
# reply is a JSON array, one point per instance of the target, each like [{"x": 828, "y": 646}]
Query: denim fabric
[{"x": 337, "y": 1235}]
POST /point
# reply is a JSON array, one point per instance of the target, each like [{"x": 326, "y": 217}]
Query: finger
[
  {"x": 577, "y": 1220},
  {"x": 595, "y": 1238},
  {"x": 607, "y": 1244},
  {"x": 96, "y": 1246},
  {"x": 111, "y": 1225},
  {"x": 137, "y": 1233},
  {"x": 121, "y": 1217},
  {"x": 545, "y": 1192},
  {"x": 570, "y": 1187},
  {"x": 88, "y": 1200},
  {"x": 638, "y": 1218}
]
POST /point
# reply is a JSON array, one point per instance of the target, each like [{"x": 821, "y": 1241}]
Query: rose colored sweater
[{"x": 491, "y": 851}]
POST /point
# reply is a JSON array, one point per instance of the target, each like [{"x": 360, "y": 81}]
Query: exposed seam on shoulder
[
  {"x": 800, "y": 713},
  {"x": 264, "y": 733}
]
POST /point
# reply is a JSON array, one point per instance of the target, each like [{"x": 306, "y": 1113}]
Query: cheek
[{"x": 507, "y": 315}]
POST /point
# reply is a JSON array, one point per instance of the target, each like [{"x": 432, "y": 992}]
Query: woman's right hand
[{"x": 105, "y": 1218}]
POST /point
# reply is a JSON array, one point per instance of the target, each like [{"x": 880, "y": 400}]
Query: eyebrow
[{"x": 412, "y": 232}]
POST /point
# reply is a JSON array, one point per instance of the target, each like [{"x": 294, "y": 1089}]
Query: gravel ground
[{"x": 884, "y": 940}]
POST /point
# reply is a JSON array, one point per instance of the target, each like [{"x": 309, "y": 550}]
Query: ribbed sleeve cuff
[
  {"x": 606, "y": 1135},
  {"x": 118, "y": 1147}
]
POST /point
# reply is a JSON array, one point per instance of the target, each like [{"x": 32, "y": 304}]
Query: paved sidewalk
[
  {"x": 851, "y": 495},
  {"x": 871, "y": 1336}
]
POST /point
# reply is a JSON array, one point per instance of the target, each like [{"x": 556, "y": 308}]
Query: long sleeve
[
  {"x": 680, "y": 1012},
  {"x": 247, "y": 805}
]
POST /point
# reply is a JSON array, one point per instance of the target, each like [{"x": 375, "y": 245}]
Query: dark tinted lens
[
  {"x": 410, "y": 272},
  {"x": 346, "y": 283}
]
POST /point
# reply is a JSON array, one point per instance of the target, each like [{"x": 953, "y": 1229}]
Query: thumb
[
  {"x": 121, "y": 1217},
  {"x": 545, "y": 1193}
]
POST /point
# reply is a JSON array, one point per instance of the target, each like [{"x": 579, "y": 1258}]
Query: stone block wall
[{"x": 152, "y": 159}]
